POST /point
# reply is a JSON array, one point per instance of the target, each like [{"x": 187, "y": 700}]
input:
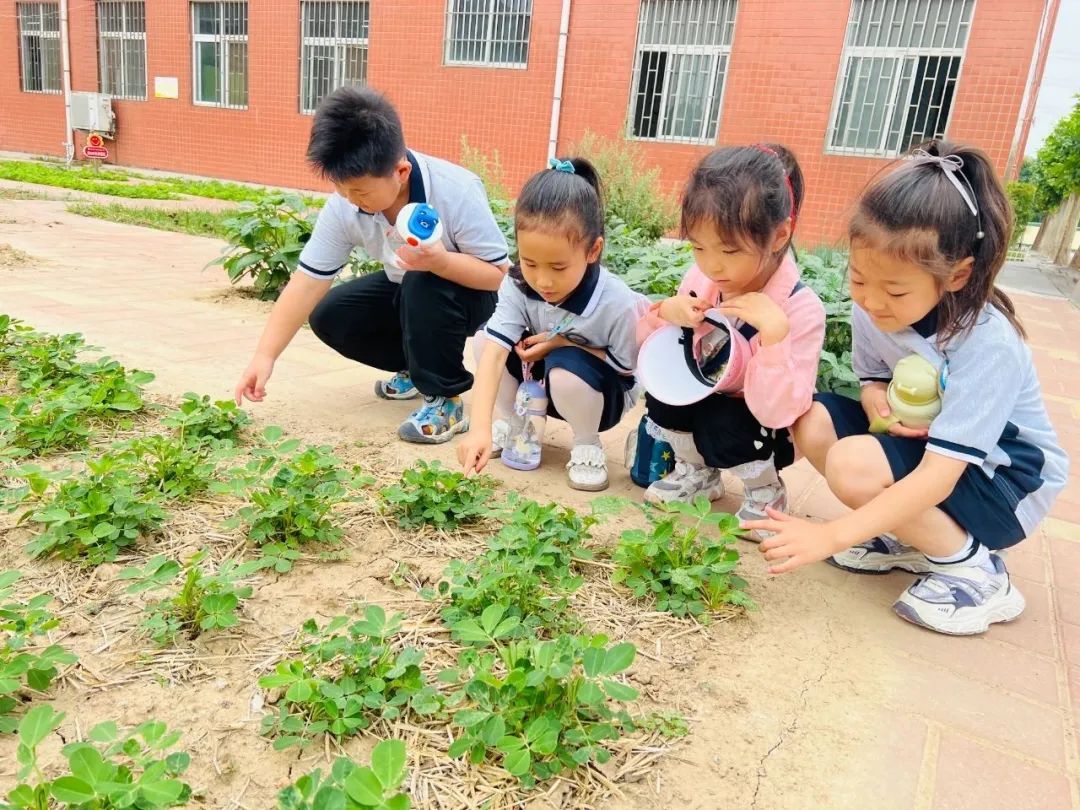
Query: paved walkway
[{"x": 876, "y": 713}]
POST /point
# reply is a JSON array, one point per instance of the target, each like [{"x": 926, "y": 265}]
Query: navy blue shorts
[
  {"x": 591, "y": 370},
  {"x": 979, "y": 503}
]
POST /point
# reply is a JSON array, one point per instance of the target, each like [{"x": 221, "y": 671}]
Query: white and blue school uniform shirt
[
  {"x": 601, "y": 313},
  {"x": 992, "y": 412},
  {"x": 456, "y": 193}
]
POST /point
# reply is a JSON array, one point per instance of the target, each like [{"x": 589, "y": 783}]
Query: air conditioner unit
[{"x": 93, "y": 112}]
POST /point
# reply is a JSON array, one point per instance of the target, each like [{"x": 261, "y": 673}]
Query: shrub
[
  {"x": 1022, "y": 199},
  {"x": 632, "y": 192}
]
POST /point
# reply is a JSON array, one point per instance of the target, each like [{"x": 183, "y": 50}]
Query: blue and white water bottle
[
  {"x": 526, "y": 430},
  {"x": 419, "y": 225}
]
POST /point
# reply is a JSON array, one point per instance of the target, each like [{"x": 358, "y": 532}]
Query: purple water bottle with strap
[{"x": 526, "y": 425}]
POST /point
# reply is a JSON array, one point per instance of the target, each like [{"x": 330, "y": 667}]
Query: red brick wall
[{"x": 780, "y": 83}]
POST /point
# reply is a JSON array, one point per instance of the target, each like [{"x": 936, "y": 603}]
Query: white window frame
[
  {"x": 123, "y": 35},
  {"x": 42, "y": 34},
  {"x": 224, "y": 40},
  {"x": 720, "y": 52},
  {"x": 338, "y": 42},
  {"x": 488, "y": 37},
  {"x": 899, "y": 53}
]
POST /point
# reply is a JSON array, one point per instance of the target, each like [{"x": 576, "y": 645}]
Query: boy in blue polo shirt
[{"x": 413, "y": 316}]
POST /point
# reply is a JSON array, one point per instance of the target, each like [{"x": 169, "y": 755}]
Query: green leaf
[
  {"x": 388, "y": 763},
  {"x": 399, "y": 802},
  {"x": 163, "y": 793},
  {"x": 72, "y": 790},
  {"x": 364, "y": 787},
  {"x": 518, "y": 762},
  {"x": 38, "y": 723},
  {"x": 619, "y": 658},
  {"x": 620, "y": 691}
]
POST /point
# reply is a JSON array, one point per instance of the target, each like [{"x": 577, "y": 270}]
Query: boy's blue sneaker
[
  {"x": 400, "y": 386},
  {"x": 438, "y": 420}
]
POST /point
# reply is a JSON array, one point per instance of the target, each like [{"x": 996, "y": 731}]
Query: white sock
[
  {"x": 973, "y": 554},
  {"x": 683, "y": 445},
  {"x": 756, "y": 474},
  {"x": 581, "y": 406}
]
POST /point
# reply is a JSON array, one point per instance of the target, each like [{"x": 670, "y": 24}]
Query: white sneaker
[
  {"x": 685, "y": 483},
  {"x": 756, "y": 501},
  {"x": 880, "y": 556},
  {"x": 961, "y": 600},
  {"x": 500, "y": 435},
  {"x": 587, "y": 468}
]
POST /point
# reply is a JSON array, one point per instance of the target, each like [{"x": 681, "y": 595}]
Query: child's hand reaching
[
  {"x": 761, "y": 312},
  {"x": 474, "y": 449},
  {"x": 795, "y": 542},
  {"x": 684, "y": 310}
]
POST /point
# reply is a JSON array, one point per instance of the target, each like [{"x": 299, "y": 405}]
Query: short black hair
[{"x": 356, "y": 133}]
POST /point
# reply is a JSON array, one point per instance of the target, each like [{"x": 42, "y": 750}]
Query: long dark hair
[
  {"x": 568, "y": 203},
  {"x": 915, "y": 214},
  {"x": 745, "y": 193}
]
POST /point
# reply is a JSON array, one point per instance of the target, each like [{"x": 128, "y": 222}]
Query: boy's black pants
[{"x": 419, "y": 325}]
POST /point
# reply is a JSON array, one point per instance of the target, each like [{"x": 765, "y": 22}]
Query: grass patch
[
  {"x": 118, "y": 183},
  {"x": 111, "y": 183},
  {"x": 197, "y": 223}
]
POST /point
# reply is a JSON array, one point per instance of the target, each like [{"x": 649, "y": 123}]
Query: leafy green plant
[
  {"x": 170, "y": 468},
  {"x": 291, "y": 494},
  {"x": 528, "y": 573},
  {"x": 94, "y": 515},
  {"x": 265, "y": 240},
  {"x": 197, "y": 418},
  {"x": 24, "y": 667},
  {"x": 430, "y": 493},
  {"x": 632, "y": 189},
  {"x": 349, "y": 786},
  {"x": 651, "y": 267},
  {"x": 110, "y": 772},
  {"x": 206, "y": 600},
  {"x": 825, "y": 272},
  {"x": 541, "y": 707},
  {"x": 347, "y": 673},
  {"x": 679, "y": 563}
]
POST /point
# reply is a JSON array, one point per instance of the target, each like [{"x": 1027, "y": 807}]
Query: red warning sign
[{"x": 95, "y": 148}]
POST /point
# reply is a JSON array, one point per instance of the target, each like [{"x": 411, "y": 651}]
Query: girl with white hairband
[{"x": 945, "y": 471}]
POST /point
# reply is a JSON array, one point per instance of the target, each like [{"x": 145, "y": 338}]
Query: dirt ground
[{"x": 820, "y": 699}]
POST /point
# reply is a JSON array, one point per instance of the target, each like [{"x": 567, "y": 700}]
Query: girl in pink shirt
[{"x": 739, "y": 212}]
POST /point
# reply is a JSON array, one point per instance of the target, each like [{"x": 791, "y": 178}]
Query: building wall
[{"x": 780, "y": 83}]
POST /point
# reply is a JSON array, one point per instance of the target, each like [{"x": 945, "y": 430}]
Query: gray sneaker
[
  {"x": 880, "y": 556},
  {"x": 961, "y": 600},
  {"x": 757, "y": 500},
  {"x": 685, "y": 483}
]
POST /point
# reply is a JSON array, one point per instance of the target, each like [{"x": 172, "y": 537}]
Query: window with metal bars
[
  {"x": 39, "y": 47},
  {"x": 334, "y": 50},
  {"x": 898, "y": 74},
  {"x": 683, "y": 47},
  {"x": 122, "y": 47},
  {"x": 491, "y": 33},
  {"x": 219, "y": 34}
]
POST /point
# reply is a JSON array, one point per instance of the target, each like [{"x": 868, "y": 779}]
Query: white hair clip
[{"x": 951, "y": 166}]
